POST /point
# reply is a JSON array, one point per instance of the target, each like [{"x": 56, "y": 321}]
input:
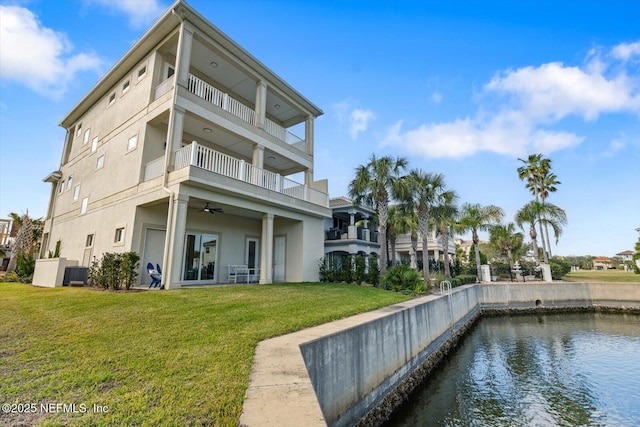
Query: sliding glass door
[{"x": 200, "y": 254}]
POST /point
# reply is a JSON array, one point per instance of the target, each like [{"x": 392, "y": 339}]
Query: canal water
[{"x": 535, "y": 370}]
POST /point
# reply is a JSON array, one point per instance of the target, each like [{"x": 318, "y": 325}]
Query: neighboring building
[
  {"x": 182, "y": 152},
  {"x": 350, "y": 231},
  {"x": 7, "y": 234},
  {"x": 601, "y": 263},
  {"x": 403, "y": 247},
  {"x": 625, "y": 255}
]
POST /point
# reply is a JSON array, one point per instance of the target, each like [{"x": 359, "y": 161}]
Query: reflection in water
[{"x": 545, "y": 370}]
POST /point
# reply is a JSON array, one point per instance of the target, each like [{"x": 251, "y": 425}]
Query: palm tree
[
  {"x": 444, "y": 216},
  {"x": 534, "y": 169},
  {"x": 548, "y": 184},
  {"x": 397, "y": 223},
  {"x": 374, "y": 185},
  {"x": 474, "y": 218},
  {"x": 535, "y": 212},
  {"x": 27, "y": 237},
  {"x": 506, "y": 240},
  {"x": 420, "y": 192}
]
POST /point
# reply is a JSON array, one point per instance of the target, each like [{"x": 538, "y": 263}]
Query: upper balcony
[
  {"x": 207, "y": 159},
  {"x": 231, "y": 105}
]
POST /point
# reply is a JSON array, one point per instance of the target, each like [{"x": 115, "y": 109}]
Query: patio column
[
  {"x": 173, "y": 270},
  {"x": 308, "y": 134},
  {"x": 308, "y": 139},
  {"x": 261, "y": 103},
  {"x": 258, "y": 156},
  {"x": 174, "y": 132},
  {"x": 183, "y": 55},
  {"x": 266, "y": 251}
]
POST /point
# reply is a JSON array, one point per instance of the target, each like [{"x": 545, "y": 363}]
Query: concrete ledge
[{"x": 339, "y": 372}]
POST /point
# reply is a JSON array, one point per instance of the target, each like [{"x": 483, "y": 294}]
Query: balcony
[
  {"x": 223, "y": 100},
  {"x": 214, "y": 161},
  {"x": 348, "y": 234}
]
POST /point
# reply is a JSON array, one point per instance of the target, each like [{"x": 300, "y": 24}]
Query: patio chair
[{"x": 156, "y": 275}]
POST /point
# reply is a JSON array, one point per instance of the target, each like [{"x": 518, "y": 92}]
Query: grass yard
[
  {"x": 151, "y": 358},
  {"x": 602, "y": 276}
]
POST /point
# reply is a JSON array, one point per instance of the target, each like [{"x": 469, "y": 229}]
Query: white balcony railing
[
  {"x": 204, "y": 90},
  {"x": 214, "y": 161}
]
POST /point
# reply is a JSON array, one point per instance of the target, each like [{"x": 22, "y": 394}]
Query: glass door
[
  {"x": 200, "y": 254},
  {"x": 252, "y": 258}
]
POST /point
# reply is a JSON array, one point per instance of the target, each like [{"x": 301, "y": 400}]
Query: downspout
[{"x": 167, "y": 161}]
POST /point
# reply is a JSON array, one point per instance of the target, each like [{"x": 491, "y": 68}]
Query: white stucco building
[{"x": 184, "y": 152}]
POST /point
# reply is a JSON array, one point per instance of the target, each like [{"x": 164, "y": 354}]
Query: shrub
[
  {"x": 401, "y": 278},
  {"x": 348, "y": 269},
  {"x": 25, "y": 265},
  {"x": 559, "y": 268},
  {"x": 115, "y": 270},
  {"x": 467, "y": 278}
]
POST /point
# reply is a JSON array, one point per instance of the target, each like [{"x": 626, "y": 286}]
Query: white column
[
  {"x": 183, "y": 55},
  {"x": 173, "y": 269},
  {"x": 258, "y": 156},
  {"x": 308, "y": 138},
  {"x": 308, "y": 134},
  {"x": 261, "y": 103},
  {"x": 266, "y": 250},
  {"x": 175, "y": 130}
]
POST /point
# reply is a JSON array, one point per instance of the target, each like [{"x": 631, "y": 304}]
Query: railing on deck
[
  {"x": 214, "y": 161},
  {"x": 223, "y": 100}
]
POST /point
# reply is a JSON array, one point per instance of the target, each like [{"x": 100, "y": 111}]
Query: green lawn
[
  {"x": 602, "y": 276},
  {"x": 152, "y": 358}
]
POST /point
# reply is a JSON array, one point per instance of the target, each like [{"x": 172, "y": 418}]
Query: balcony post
[
  {"x": 261, "y": 104},
  {"x": 194, "y": 154},
  {"x": 183, "y": 55},
  {"x": 241, "y": 170},
  {"x": 266, "y": 252},
  {"x": 308, "y": 134}
]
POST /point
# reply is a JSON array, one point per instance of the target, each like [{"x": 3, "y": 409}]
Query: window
[
  {"x": 200, "y": 254},
  {"x": 79, "y": 130},
  {"x": 100, "y": 162},
  {"x": 168, "y": 71},
  {"x": 83, "y": 207},
  {"x": 119, "y": 236},
  {"x": 112, "y": 98},
  {"x": 86, "y": 137},
  {"x": 142, "y": 72},
  {"x": 132, "y": 143},
  {"x": 61, "y": 187},
  {"x": 89, "y": 241},
  {"x": 69, "y": 182},
  {"x": 94, "y": 144},
  {"x": 76, "y": 192},
  {"x": 125, "y": 87}
]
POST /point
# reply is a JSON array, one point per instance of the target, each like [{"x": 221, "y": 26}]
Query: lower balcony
[{"x": 214, "y": 161}]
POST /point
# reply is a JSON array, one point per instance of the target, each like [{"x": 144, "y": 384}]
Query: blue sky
[{"x": 461, "y": 88}]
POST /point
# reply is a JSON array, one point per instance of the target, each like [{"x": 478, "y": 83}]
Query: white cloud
[
  {"x": 553, "y": 91},
  {"x": 517, "y": 106},
  {"x": 359, "y": 120},
  {"x": 36, "y": 56},
  {"x": 356, "y": 119},
  {"x": 139, "y": 12},
  {"x": 625, "y": 51},
  {"x": 436, "y": 97}
]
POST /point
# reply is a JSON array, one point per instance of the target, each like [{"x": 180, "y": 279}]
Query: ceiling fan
[{"x": 211, "y": 210}]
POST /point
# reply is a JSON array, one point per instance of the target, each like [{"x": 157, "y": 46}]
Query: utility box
[{"x": 75, "y": 276}]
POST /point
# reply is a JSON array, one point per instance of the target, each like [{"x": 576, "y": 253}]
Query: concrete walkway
[{"x": 280, "y": 392}]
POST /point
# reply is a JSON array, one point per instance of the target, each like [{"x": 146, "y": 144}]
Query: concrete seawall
[{"x": 357, "y": 370}]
